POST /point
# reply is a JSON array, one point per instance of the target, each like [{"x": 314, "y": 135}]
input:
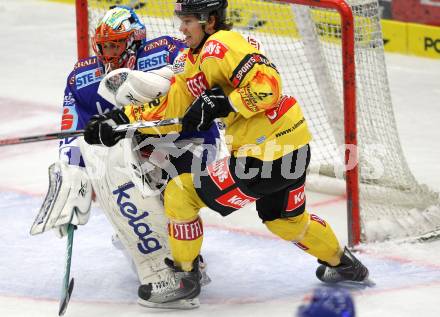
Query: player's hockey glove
[
  {"x": 99, "y": 130},
  {"x": 211, "y": 104}
]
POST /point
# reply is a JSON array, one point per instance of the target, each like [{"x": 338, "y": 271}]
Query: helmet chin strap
[
  {"x": 127, "y": 59},
  {"x": 130, "y": 62},
  {"x": 108, "y": 68},
  {"x": 205, "y": 37}
]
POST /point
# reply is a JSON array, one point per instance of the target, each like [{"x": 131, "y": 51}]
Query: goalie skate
[
  {"x": 204, "y": 277},
  {"x": 350, "y": 270},
  {"x": 178, "y": 291}
]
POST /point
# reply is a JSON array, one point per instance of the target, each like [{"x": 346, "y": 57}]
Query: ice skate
[
  {"x": 203, "y": 268},
  {"x": 204, "y": 278},
  {"x": 179, "y": 290},
  {"x": 349, "y": 270}
]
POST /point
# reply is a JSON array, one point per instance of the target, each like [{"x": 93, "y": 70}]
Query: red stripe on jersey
[
  {"x": 301, "y": 246},
  {"x": 318, "y": 220},
  {"x": 197, "y": 84}
]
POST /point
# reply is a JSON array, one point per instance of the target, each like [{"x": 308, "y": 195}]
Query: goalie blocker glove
[
  {"x": 99, "y": 130},
  {"x": 211, "y": 104}
]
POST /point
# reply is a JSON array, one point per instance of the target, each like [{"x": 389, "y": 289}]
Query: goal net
[{"x": 305, "y": 42}]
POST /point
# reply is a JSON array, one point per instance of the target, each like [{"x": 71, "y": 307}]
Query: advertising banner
[{"x": 416, "y": 11}]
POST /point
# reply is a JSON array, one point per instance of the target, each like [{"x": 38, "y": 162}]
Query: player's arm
[
  {"x": 150, "y": 87},
  {"x": 255, "y": 80},
  {"x": 249, "y": 84}
]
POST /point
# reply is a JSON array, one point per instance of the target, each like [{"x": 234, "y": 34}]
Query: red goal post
[
  {"x": 349, "y": 92},
  {"x": 82, "y": 28}
]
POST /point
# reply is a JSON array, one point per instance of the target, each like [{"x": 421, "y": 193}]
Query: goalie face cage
[{"x": 331, "y": 59}]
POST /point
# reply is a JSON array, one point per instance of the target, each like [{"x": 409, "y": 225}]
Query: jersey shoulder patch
[
  {"x": 86, "y": 72},
  {"x": 86, "y": 63},
  {"x": 215, "y": 49},
  {"x": 179, "y": 62},
  {"x": 159, "y": 42}
]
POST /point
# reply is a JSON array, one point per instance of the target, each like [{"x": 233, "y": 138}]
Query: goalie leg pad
[{"x": 138, "y": 220}]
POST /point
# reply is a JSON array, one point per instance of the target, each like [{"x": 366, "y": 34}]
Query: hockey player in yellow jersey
[{"x": 222, "y": 76}]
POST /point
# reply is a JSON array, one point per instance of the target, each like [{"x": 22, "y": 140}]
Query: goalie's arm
[
  {"x": 173, "y": 105},
  {"x": 124, "y": 86}
]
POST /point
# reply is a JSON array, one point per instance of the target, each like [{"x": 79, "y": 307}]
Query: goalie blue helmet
[{"x": 328, "y": 302}]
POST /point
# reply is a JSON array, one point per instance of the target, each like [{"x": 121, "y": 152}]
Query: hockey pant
[{"x": 231, "y": 183}]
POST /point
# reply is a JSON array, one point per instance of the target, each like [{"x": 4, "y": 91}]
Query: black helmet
[{"x": 202, "y": 8}]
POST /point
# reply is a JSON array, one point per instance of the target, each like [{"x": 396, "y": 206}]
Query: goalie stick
[
  {"x": 69, "y": 134},
  {"x": 67, "y": 287}
]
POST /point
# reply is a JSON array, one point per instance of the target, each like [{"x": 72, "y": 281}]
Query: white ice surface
[{"x": 254, "y": 274}]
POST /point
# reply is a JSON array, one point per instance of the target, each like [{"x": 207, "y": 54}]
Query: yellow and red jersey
[{"x": 266, "y": 125}]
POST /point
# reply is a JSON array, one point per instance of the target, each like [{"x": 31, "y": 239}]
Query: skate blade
[
  {"x": 356, "y": 285},
  {"x": 178, "y": 304},
  {"x": 205, "y": 279}
]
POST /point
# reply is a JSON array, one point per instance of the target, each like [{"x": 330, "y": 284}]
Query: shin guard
[{"x": 311, "y": 234}]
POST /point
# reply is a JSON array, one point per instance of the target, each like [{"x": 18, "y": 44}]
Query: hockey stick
[
  {"x": 42, "y": 137},
  {"x": 147, "y": 124},
  {"x": 69, "y": 134},
  {"x": 67, "y": 286}
]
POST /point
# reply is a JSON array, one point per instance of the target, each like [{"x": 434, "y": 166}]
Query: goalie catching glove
[
  {"x": 124, "y": 86},
  {"x": 210, "y": 105},
  {"x": 99, "y": 130}
]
